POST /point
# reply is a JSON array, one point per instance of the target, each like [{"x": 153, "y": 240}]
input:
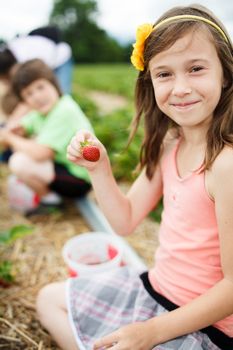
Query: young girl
[
  {"x": 184, "y": 91},
  {"x": 40, "y": 140}
]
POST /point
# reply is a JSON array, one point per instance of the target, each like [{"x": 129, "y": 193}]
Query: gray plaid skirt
[{"x": 103, "y": 303}]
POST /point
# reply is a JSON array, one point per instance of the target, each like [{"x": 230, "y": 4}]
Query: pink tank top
[{"x": 188, "y": 258}]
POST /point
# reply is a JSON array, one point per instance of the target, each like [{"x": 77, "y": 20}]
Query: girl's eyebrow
[
  {"x": 192, "y": 61},
  {"x": 204, "y": 60}
]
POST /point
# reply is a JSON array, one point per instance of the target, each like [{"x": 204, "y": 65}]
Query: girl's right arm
[{"x": 124, "y": 212}]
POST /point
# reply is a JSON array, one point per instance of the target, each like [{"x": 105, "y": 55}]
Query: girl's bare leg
[
  {"x": 36, "y": 175},
  {"x": 53, "y": 315}
]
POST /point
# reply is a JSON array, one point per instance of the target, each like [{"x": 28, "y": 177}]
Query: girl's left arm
[{"x": 212, "y": 306}]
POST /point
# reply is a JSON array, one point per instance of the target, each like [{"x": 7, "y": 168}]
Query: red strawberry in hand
[{"x": 89, "y": 151}]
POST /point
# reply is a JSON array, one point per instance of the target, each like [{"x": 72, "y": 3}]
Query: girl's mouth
[{"x": 184, "y": 104}]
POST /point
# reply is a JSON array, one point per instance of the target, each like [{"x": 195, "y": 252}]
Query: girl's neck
[
  {"x": 193, "y": 138},
  {"x": 190, "y": 154}
]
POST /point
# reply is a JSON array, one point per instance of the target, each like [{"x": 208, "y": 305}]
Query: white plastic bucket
[{"x": 91, "y": 253}]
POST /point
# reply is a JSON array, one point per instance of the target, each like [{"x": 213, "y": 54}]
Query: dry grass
[{"x": 37, "y": 259}]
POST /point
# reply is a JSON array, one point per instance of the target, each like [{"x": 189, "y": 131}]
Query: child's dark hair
[
  {"x": 26, "y": 73},
  {"x": 7, "y": 61},
  {"x": 157, "y": 124}
]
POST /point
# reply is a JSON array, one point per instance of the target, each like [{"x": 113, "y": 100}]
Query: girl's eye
[
  {"x": 28, "y": 94},
  {"x": 163, "y": 75},
  {"x": 196, "y": 69}
]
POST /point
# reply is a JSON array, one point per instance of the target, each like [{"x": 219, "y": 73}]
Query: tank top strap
[{"x": 172, "y": 157}]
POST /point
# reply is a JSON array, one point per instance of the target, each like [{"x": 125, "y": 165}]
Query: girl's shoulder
[
  {"x": 223, "y": 162},
  {"x": 221, "y": 172}
]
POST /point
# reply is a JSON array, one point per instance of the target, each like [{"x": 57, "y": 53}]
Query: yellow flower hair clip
[{"x": 142, "y": 34}]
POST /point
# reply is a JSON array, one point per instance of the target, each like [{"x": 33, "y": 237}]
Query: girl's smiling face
[
  {"x": 187, "y": 79},
  {"x": 40, "y": 95}
]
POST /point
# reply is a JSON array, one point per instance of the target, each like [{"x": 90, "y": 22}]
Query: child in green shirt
[{"x": 40, "y": 141}]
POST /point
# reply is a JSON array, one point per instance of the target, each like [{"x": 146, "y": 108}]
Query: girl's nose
[
  {"x": 181, "y": 87},
  {"x": 37, "y": 95}
]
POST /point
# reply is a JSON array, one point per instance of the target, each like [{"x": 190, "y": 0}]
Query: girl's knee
[
  {"x": 45, "y": 299},
  {"x": 18, "y": 163},
  {"x": 49, "y": 297},
  {"x": 25, "y": 167}
]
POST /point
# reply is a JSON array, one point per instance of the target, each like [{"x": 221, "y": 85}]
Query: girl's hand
[
  {"x": 74, "y": 150},
  {"x": 4, "y": 136},
  {"x": 134, "y": 336},
  {"x": 15, "y": 127}
]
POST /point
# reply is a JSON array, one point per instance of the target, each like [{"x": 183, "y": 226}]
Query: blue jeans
[{"x": 64, "y": 76}]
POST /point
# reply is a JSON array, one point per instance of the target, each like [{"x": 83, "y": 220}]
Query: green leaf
[
  {"x": 7, "y": 237},
  {"x": 6, "y": 271}
]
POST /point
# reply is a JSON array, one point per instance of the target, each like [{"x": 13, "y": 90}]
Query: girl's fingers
[
  {"x": 96, "y": 142},
  {"x": 74, "y": 156},
  {"x": 108, "y": 342},
  {"x": 113, "y": 346},
  {"x": 84, "y": 135},
  {"x": 74, "y": 150}
]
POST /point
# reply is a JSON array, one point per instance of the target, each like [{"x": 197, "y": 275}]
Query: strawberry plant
[
  {"x": 6, "y": 275},
  {"x": 7, "y": 237}
]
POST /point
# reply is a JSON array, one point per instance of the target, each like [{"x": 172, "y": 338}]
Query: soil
[{"x": 107, "y": 102}]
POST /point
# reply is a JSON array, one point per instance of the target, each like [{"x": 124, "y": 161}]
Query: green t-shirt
[{"x": 56, "y": 129}]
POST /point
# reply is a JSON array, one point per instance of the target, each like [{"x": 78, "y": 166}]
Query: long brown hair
[{"x": 156, "y": 123}]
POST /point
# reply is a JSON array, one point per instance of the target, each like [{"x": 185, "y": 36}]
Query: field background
[{"x": 105, "y": 93}]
